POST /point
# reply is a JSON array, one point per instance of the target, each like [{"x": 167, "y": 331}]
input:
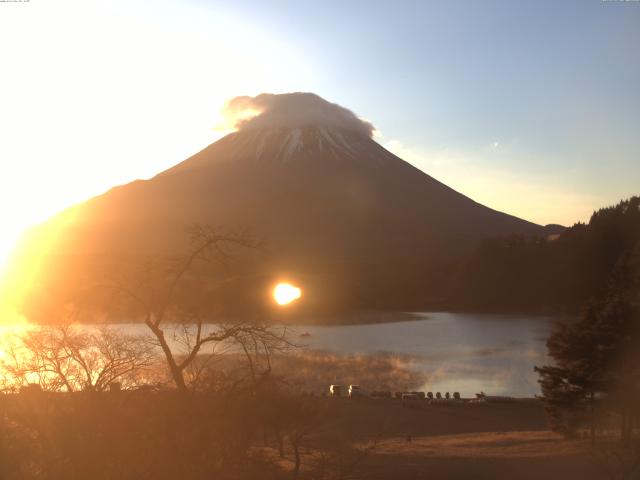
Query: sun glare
[
  {"x": 41, "y": 178},
  {"x": 285, "y": 293}
]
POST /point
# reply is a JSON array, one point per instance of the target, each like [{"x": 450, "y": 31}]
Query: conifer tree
[{"x": 596, "y": 357}]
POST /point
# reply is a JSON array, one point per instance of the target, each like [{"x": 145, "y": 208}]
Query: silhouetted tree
[
  {"x": 185, "y": 295},
  {"x": 69, "y": 359},
  {"x": 596, "y": 357},
  {"x": 561, "y": 272}
]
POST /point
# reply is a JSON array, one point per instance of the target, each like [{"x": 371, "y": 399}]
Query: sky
[{"x": 531, "y": 108}]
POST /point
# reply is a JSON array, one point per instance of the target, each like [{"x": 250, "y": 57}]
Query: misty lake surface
[
  {"x": 461, "y": 352},
  {"x": 456, "y": 352}
]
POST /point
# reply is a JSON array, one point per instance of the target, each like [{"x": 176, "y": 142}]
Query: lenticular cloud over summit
[{"x": 291, "y": 110}]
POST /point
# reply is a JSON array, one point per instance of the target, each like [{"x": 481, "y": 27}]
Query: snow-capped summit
[
  {"x": 292, "y": 126},
  {"x": 282, "y": 145}
]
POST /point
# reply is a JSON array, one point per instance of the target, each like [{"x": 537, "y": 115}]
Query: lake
[
  {"x": 461, "y": 352},
  {"x": 454, "y": 352}
]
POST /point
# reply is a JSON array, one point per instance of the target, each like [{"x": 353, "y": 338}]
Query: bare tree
[
  {"x": 181, "y": 302},
  {"x": 67, "y": 358}
]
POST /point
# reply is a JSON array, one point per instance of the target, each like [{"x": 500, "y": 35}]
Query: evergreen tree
[
  {"x": 557, "y": 273},
  {"x": 596, "y": 357}
]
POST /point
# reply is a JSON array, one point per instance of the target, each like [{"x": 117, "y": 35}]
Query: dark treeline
[
  {"x": 559, "y": 273},
  {"x": 595, "y": 377}
]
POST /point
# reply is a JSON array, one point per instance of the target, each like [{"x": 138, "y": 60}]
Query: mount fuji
[{"x": 367, "y": 229}]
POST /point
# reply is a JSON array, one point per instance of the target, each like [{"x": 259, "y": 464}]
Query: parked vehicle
[
  {"x": 335, "y": 390},
  {"x": 381, "y": 394},
  {"x": 356, "y": 391},
  {"x": 418, "y": 394}
]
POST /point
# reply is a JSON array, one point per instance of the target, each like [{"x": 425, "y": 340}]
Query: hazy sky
[{"x": 532, "y": 107}]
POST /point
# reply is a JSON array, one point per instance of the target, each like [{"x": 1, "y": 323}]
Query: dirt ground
[{"x": 461, "y": 441}]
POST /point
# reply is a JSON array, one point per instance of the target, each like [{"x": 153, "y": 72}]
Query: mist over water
[
  {"x": 441, "y": 351},
  {"x": 467, "y": 353}
]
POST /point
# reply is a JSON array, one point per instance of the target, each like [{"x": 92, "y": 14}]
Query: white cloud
[{"x": 291, "y": 110}]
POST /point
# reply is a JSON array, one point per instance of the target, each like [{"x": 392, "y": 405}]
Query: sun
[{"x": 285, "y": 293}]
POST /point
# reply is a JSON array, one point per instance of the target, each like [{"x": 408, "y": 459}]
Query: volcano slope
[{"x": 358, "y": 226}]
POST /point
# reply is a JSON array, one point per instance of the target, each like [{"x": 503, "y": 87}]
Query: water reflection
[{"x": 454, "y": 352}]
